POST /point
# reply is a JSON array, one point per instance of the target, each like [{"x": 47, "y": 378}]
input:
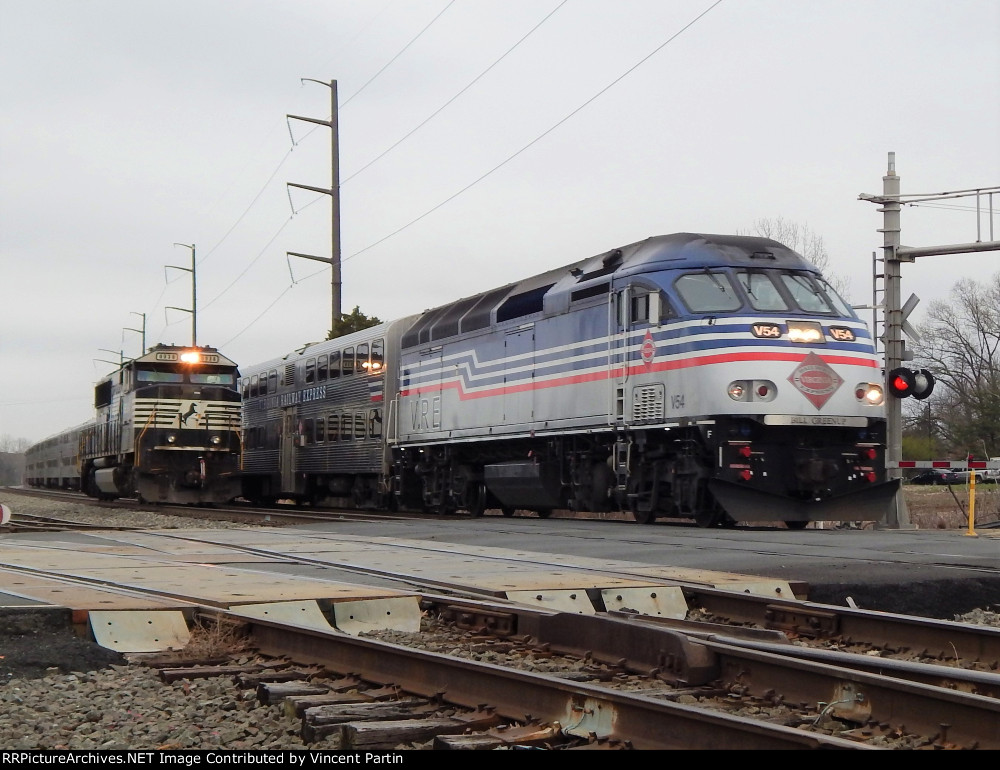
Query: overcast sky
[{"x": 481, "y": 141}]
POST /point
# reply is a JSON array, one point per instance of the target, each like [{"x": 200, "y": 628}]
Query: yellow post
[{"x": 971, "y": 532}]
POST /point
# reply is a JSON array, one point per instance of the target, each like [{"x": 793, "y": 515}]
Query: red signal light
[{"x": 903, "y": 383}]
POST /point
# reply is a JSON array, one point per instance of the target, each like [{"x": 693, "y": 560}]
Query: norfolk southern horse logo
[{"x": 187, "y": 414}]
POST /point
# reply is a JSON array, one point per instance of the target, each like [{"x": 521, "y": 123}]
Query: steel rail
[
  {"x": 924, "y": 636},
  {"x": 581, "y": 710}
]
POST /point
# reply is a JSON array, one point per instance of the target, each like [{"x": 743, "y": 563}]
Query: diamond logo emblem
[{"x": 815, "y": 380}]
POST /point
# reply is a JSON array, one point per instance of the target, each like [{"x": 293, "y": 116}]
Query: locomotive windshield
[
  {"x": 708, "y": 292},
  {"x": 196, "y": 378},
  {"x": 764, "y": 290}
]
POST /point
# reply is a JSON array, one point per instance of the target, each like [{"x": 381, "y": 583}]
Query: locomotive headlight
[
  {"x": 171, "y": 438},
  {"x": 738, "y": 390},
  {"x": 216, "y": 440},
  {"x": 869, "y": 393},
  {"x": 191, "y": 357},
  {"x": 805, "y": 331}
]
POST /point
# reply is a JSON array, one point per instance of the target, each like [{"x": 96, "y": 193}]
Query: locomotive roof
[
  {"x": 678, "y": 251},
  {"x": 159, "y": 354}
]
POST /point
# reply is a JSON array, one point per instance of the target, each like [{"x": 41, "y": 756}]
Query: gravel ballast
[{"x": 60, "y": 690}]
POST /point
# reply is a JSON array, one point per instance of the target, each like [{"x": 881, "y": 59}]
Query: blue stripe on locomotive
[{"x": 475, "y": 373}]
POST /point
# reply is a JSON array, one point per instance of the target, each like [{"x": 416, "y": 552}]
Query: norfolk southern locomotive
[
  {"x": 708, "y": 377},
  {"x": 166, "y": 430}
]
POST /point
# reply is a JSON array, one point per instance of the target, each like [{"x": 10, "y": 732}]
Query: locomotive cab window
[
  {"x": 149, "y": 376},
  {"x": 806, "y": 293},
  {"x": 310, "y": 371},
  {"x": 364, "y": 365},
  {"x": 378, "y": 356},
  {"x": 648, "y": 307},
  {"x": 272, "y": 381},
  {"x": 838, "y": 302},
  {"x": 347, "y": 364},
  {"x": 708, "y": 292},
  {"x": 334, "y": 364},
  {"x": 209, "y": 378},
  {"x": 760, "y": 290},
  {"x": 322, "y": 368}
]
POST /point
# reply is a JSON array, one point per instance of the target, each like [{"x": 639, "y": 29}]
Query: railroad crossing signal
[{"x": 903, "y": 383}]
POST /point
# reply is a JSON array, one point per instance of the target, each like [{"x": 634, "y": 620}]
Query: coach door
[{"x": 286, "y": 455}]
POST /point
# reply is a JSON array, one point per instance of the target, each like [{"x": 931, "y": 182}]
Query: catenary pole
[{"x": 334, "y": 192}]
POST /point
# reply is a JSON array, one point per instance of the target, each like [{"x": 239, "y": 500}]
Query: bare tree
[
  {"x": 802, "y": 239},
  {"x": 961, "y": 347},
  {"x": 10, "y": 444}
]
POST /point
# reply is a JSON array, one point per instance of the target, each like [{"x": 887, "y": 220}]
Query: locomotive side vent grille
[
  {"x": 647, "y": 403},
  {"x": 289, "y": 374}
]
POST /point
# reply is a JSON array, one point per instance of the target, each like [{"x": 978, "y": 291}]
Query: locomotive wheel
[
  {"x": 796, "y": 524},
  {"x": 643, "y": 517},
  {"x": 477, "y": 505},
  {"x": 707, "y": 519},
  {"x": 507, "y": 511},
  {"x": 544, "y": 514}
]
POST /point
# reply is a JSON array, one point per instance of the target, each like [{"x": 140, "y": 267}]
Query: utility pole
[
  {"x": 141, "y": 331},
  {"x": 334, "y": 192},
  {"x": 895, "y": 312},
  {"x": 194, "y": 296}
]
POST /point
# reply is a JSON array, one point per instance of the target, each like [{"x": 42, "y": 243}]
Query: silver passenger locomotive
[{"x": 707, "y": 377}]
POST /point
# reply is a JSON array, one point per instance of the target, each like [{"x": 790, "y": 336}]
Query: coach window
[
  {"x": 346, "y": 425},
  {"x": 272, "y": 381},
  {"x": 359, "y": 424},
  {"x": 378, "y": 356},
  {"x": 334, "y": 364},
  {"x": 254, "y": 387},
  {"x": 246, "y": 387},
  {"x": 347, "y": 365},
  {"x": 322, "y": 368},
  {"x": 310, "y": 370},
  {"x": 364, "y": 365},
  {"x": 308, "y": 432},
  {"x": 332, "y": 427},
  {"x": 708, "y": 292},
  {"x": 262, "y": 383},
  {"x": 375, "y": 423},
  {"x": 320, "y": 430}
]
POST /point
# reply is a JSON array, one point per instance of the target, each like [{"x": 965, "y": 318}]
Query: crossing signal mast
[{"x": 902, "y": 382}]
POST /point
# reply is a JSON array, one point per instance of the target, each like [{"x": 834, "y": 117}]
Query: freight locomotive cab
[{"x": 166, "y": 429}]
